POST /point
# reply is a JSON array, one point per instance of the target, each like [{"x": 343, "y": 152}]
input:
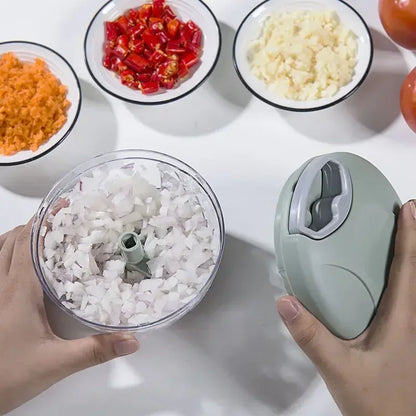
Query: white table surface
[{"x": 231, "y": 356}]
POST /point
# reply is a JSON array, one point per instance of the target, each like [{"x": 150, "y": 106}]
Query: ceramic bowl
[
  {"x": 195, "y": 10},
  {"x": 251, "y": 27},
  {"x": 60, "y": 67}
]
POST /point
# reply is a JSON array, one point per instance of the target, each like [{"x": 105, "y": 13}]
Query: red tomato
[
  {"x": 399, "y": 20},
  {"x": 408, "y": 100}
]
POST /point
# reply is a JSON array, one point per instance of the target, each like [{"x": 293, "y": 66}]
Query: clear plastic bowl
[{"x": 142, "y": 158}]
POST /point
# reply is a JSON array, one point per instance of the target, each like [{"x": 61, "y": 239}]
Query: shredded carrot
[{"x": 33, "y": 104}]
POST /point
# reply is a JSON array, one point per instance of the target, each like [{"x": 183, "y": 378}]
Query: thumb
[
  {"x": 75, "y": 355},
  {"x": 325, "y": 350}
]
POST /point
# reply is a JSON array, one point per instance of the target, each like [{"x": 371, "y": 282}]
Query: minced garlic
[{"x": 305, "y": 55}]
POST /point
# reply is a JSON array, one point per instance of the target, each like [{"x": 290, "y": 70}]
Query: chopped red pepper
[
  {"x": 155, "y": 77},
  {"x": 134, "y": 85},
  {"x": 147, "y": 53},
  {"x": 145, "y": 12},
  {"x": 173, "y": 28},
  {"x": 136, "y": 62},
  {"x": 144, "y": 76},
  {"x": 168, "y": 12},
  {"x": 192, "y": 26},
  {"x": 168, "y": 69},
  {"x": 132, "y": 16},
  {"x": 120, "y": 66},
  {"x": 117, "y": 65},
  {"x": 163, "y": 37},
  {"x": 111, "y": 31},
  {"x": 156, "y": 25},
  {"x": 120, "y": 51},
  {"x": 183, "y": 70},
  {"x": 193, "y": 48},
  {"x": 108, "y": 48},
  {"x": 149, "y": 87},
  {"x": 151, "y": 40},
  {"x": 129, "y": 80},
  {"x": 122, "y": 24},
  {"x": 123, "y": 40},
  {"x": 173, "y": 56},
  {"x": 157, "y": 57},
  {"x": 150, "y": 48},
  {"x": 197, "y": 38},
  {"x": 127, "y": 76},
  {"x": 190, "y": 59},
  {"x": 167, "y": 83},
  {"x": 158, "y": 6},
  {"x": 107, "y": 61},
  {"x": 136, "y": 46},
  {"x": 136, "y": 31},
  {"x": 186, "y": 36},
  {"x": 174, "y": 46},
  {"x": 167, "y": 19},
  {"x": 114, "y": 64}
]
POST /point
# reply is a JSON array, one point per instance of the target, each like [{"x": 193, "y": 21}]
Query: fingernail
[
  {"x": 126, "y": 347},
  {"x": 288, "y": 309},
  {"x": 413, "y": 209}
]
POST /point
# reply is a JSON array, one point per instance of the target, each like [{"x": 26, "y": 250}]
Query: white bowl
[
  {"x": 59, "y": 66},
  {"x": 250, "y": 29},
  {"x": 185, "y": 9}
]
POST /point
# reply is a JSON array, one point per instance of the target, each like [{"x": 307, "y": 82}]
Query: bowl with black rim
[
  {"x": 28, "y": 52},
  {"x": 109, "y": 81},
  {"x": 251, "y": 28}
]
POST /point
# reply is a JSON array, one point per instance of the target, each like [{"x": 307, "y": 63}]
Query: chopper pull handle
[{"x": 322, "y": 198}]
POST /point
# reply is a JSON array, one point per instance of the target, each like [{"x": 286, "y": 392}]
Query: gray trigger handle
[{"x": 321, "y": 200}]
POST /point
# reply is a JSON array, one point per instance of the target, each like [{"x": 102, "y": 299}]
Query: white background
[{"x": 231, "y": 356}]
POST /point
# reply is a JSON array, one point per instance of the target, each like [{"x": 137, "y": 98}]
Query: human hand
[
  {"x": 375, "y": 374},
  {"x": 32, "y": 358}
]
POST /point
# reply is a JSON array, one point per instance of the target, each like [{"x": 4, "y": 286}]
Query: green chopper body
[{"x": 334, "y": 234}]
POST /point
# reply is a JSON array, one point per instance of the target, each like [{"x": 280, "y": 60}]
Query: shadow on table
[
  {"x": 231, "y": 356},
  {"x": 238, "y": 327},
  {"x": 213, "y": 105},
  {"x": 369, "y": 111},
  {"x": 94, "y": 133}
]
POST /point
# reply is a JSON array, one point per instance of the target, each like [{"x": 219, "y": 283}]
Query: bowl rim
[
  {"x": 139, "y": 102},
  {"x": 69, "y": 129},
  {"x": 304, "y": 110},
  {"x": 93, "y": 163}
]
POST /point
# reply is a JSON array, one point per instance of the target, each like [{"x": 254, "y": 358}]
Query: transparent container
[{"x": 149, "y": 161}]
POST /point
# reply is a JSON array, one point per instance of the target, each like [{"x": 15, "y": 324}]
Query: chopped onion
[{"x": 175, "y": 222}]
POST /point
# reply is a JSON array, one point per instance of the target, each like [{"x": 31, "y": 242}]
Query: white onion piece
[{"x": 85, "y": 268}]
